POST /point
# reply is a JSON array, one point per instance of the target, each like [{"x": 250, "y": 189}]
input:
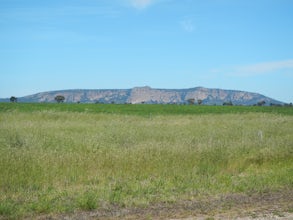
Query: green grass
[
  {"x": 62, "y": 158},
  {"x": 142, "y": 110}
]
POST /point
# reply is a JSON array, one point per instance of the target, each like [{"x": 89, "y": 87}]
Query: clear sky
[{"x": 97, "y": 44}]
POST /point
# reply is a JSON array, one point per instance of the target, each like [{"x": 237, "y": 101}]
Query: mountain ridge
[{"x": 148, "y": 95}]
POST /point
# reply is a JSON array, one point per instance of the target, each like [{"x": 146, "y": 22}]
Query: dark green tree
[
  {"x": 261, "y": 103},
  {"x": 228, "y": 103},
  {"x": 59, "y": 98},
  {"x": 191, "y": 101},
  {"x": 13, "y": 99},
  {"x": 199, "y": 101}
]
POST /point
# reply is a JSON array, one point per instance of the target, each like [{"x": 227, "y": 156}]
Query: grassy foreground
[{"x": 56, "y": 161}]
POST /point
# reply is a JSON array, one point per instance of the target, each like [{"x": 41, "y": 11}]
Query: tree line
[
  {"x": 58, "y": 99},
  {"x": 191, "y": 101}
]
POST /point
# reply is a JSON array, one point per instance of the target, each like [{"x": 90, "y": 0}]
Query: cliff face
[
  {"x": 208, "y": 96},
  {"x": 149, "y": 95}
]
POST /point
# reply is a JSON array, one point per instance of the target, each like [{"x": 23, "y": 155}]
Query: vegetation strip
[{"x": 142, "y": 109}]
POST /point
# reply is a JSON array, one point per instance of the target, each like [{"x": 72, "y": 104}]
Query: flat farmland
[{"x": 67, "y": 159}]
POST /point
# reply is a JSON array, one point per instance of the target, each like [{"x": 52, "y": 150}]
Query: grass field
[
  {"x": 61, "y": 158},
  {"x": 142, "y": 110}
]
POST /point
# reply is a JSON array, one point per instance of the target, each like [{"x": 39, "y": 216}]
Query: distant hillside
[{"x": 149, "y": 95}]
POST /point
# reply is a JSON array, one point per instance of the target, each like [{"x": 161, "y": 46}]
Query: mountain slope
[{"x": 149, "y": 95}]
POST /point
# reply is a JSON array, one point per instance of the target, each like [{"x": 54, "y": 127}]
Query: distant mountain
[{"x": 149, "y": 95}]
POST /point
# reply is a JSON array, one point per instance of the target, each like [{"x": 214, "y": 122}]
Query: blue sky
[{"x": 97, "y": 44}]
